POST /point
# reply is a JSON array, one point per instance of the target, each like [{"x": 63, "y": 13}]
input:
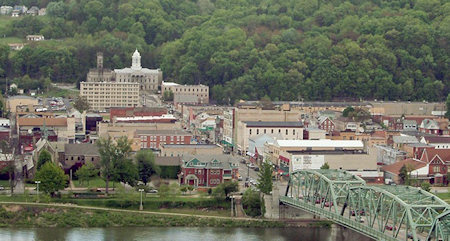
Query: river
[{"x": 179, "y": 233}]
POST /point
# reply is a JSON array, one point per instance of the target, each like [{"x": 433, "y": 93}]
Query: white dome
[{"x": 136, "y": 53}]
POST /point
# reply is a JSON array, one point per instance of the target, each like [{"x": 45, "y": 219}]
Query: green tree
[
  {"x": 252, "y": 203},
  {"x": 81, "y": 104},
  {"x": 325, "y": 166},
  {"x": 44, "y": 157},
  {"x": 8, "y": 150},
  {"x": 221, "y": 191},
  {"x": 107, "y": 150},
  {"x": 265, "y": 184},
  {"x": 87, "y": 172},
  {"x": 52, "y": 178},
  {"x": 168, "y": 95},
  {"x": 347, "y": 111},
  {"x": 426, "y": 186},
  {"x": 146, "y": 165},
  {"x": 124, "y": 169}
]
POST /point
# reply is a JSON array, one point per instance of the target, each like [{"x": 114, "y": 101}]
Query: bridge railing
[{"x": 356, "y": 226}]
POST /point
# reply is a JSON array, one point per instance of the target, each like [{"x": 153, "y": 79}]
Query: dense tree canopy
[{"x": 247, "y": 49}]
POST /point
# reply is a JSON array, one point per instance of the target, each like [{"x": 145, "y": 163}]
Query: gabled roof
[
  {"x": 321, "y": 119},
  {"x": 429, "y": 124},
  {"x": 405, "y": 139},
  {"x": 395, "y": 168},
  {"x": 429, "y": 154},
  {"x": 85, "y": 149},
  {"x": 437, "y": 139},
  {"x": 210, "y": 161}
]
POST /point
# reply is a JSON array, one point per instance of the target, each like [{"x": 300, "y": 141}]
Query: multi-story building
[
  {"x": 104, "y": 95},
  {"x": 228, "y": 125},
  {"x": 63, "y": 128},
  {"x": 156, "y": 138},
  {"x": 20, "y": 100},
  {"x": 133, "y": 112},
  {"x": 192, "y": 94},
  {"x": 148, "y": 79},
  {"x": 208, "y": 170},
  {"x": 76, "y": 155},
  {"x": 35, "y": 38},
  {"x": 289, "y": 130},
  {"x": 190, "y": 149}
]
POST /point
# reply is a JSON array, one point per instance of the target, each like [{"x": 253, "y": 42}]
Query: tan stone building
[
  {"x": 192, "y": 94},
  {"x": 129, "y": 129},
  {"x": 104, "y": 95},
  {"x": 20, "y": 100},
  {"x": 190, "y": 149}
]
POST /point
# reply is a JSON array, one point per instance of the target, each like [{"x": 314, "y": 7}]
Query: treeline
[{"x": 250, "y": 49}]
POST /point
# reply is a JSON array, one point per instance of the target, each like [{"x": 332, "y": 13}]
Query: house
[
  {"x": 392, "y": 171},
  {"x": 15, "y": 13},
  {"x": 429, "y": 126},
  {"x": 33, "y": 11},
  {"x": 409, "y": 125},
  {"x": 16, "y": 46},
  {"x": 42, "y": 12},
  {"x": 440, "y": 142},
  {"x": 35, "y": 37},
  {"x": 208, "y": 170},
  {"x": 325, "y": 123},
  {"x": 76, "y": 155},
  {"x": 6, "y": 10}
]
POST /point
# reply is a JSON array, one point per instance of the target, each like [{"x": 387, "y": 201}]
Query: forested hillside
[{"x": 248, "y": 49}]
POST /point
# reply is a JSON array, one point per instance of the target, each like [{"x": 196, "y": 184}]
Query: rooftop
[
  {"x": 168, "y": 160},
  {"x": 405, "y": 139},
  {"x": 395, "y": 168},
  {"x": 40, "y": 121},
  {"x": 81, "y": 149},
  {"x": 274, "y": 123},
  {"x": 321, "y": 143},
  {"x": 437, "y": 139},
  {"x": 199, "y": 146},
  {"x": 161, "y": 132}
]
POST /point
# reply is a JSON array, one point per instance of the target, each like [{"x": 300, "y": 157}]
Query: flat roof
[
  {"x": 321, "y": 143},
  {"x": 161, "y": 132},
  {"x": 274, "y": 123},
  {"x": 203, "y": 146}
]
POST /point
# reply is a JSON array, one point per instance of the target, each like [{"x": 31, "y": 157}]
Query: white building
[
  {"x": 149, "y": 79},
  {"x": 35, "y": 37},
  {"x": 6, "y": 10}
]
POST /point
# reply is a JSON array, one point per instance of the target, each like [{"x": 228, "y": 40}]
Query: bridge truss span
[{"x": 382, "y": 212}]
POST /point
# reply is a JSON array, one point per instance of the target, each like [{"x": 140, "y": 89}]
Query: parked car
[
  {"x": 2, "y": 188},
  {"x": 240, "y": 178},
  {"x": 390, "y": 227},
  {"x": 153, "y": 191}
]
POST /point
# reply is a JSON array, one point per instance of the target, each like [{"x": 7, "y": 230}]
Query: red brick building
[
  {"x": 136, "y": 111},
  {"x": 325, "y": 123},
  {"x": 208, "y": 170},
  {"x": 155, "y": 138}
]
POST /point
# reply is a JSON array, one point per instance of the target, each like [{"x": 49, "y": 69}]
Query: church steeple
[{"x": 136, "y": 60}]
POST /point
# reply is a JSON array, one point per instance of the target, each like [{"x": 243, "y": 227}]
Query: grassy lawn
[
  {"x": 98, "y": 182},
  {"x": 10, "y": 40},
  {"x": 57, "y": 92},
  {"x": 4, "y": 183},
  {"x": 444, "y": 196}
]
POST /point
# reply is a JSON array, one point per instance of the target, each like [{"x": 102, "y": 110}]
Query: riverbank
[{"x": 58, "y": 215}]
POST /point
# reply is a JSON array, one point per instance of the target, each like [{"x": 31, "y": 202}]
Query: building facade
[
  {"x": 290, "y": 130},
  {"x": 156, "y": 138},
  {"x": 190, "y": 149},
  {"x": 192, "y": 94},
  {"x": 207, "y": 171},
  {"x": 99, "y": 74},
  {"x": 148, "y": 79},
  {"x": 104, "y": 95}
]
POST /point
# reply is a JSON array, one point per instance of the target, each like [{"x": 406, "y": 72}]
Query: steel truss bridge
[{"x": 383, "y": 212}]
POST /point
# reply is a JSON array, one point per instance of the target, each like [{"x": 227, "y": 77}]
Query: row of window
[
  {"x": 189, "y": 90},
  {"x": 272, "y": 131},
  {"x": 215, "y": 172},
  {"x": 214, "y": 181},
  {"x": 162, "y": 138}
]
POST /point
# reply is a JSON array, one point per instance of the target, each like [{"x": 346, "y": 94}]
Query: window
[
  {"x": 436, "y": 169},
  {"x": 286, "y": 131},
  {"x": 271, "y": 131},
  {"x": 250, "y": 131},
  {"x": 257, "y": 131},
  {"x": 264, "y": 131},
  {"x": 293, "y": 131},
  {"x": 279, "y": 131}
]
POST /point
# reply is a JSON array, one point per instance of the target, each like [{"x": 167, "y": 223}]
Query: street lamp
[
  {"x": 37, "y": 189},
  {"x": 141, "y": 207}
]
